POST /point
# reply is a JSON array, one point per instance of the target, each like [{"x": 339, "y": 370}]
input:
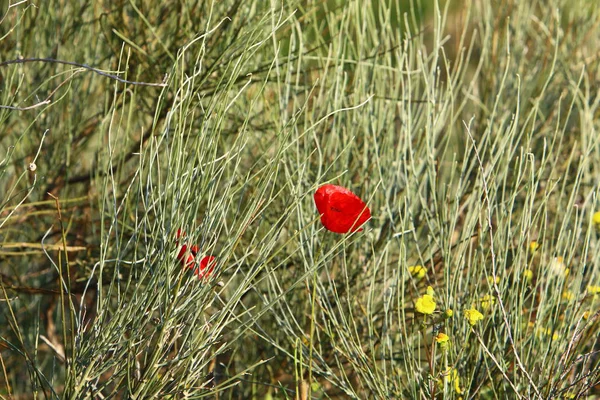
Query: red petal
[
  {"x": 182, "y": 252},
  {"x": 341, "y": 210},
  {"x": 207, "y": 266},
  {"x": 180, "y": 233},
  {"x": 189, "y": 260}
]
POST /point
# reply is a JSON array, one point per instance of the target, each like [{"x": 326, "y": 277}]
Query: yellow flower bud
[
  {"x": 430, "y": 291},
  {"x": 491, "y": 280},
  {"x": 596, "y": 218},
  {"x": 586, "y": 315},
  {"x": 417, "y": 271},
  {"x": 487, "y": 301},
  {"x": 533, "y": 246},
  {"x": 568, "y": 295},
  {"x": 593, "y": 289},
  {"x": 451, "y": 374}
]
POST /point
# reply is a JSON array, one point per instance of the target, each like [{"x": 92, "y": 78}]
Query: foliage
[{"x": 470, "y": 129}]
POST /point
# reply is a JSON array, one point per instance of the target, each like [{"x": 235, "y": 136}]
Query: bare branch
[{"x": 85, "y": 66}]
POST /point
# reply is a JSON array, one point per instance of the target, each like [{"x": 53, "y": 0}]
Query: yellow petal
[{"x": 425, "y": 304}]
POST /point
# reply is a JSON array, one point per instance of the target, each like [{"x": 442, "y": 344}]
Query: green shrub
[{"x": 469, "y": 128}]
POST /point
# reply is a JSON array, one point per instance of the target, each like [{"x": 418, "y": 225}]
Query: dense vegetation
[{"x": 469, "y": 128}]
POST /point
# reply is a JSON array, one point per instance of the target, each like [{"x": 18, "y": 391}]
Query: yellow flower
[
  {"x": 491, "y": 280},
  {"x": 425, "y": 304},
  {"x": 528, "y": 275},
  {"x": 548, "y": 332},
  {"x": 430, "y": 291},
  {"x": 448, "y": 313},
  {"x": 473, "y": 316},
  {"x": 417, "y": 271},
  {"x": 443, "y": 340},
  {"x": 315, "y": 386},
  {"x": 457, "y": 388},
  {"x": 487, "y": 301},
  {"x": 533, "y": 246},
  {"x": 586, "y": 315},
  {"x": 592, "y": 289},
  {"x": 451, "y": 374},
  {"x": 596, "y": 218},
  {"x": 568, "y": 295}
]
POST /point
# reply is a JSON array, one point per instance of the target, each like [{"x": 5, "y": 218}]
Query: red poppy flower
[
  {"x": 206, "y": 267},
  {"x": 180, "y": 233},
  {"x": 187, "y": 261},
  {"x": 341, "y": 210}
]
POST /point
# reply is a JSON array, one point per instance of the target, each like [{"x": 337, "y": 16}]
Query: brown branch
[
  {"x": 46, "y": 101},
  {"x": 74, "y": 64}
]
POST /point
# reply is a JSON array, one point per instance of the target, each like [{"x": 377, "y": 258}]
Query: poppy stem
[
  {"x": 312, "y": 332},
  {"x": 312, "y": 323}
]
